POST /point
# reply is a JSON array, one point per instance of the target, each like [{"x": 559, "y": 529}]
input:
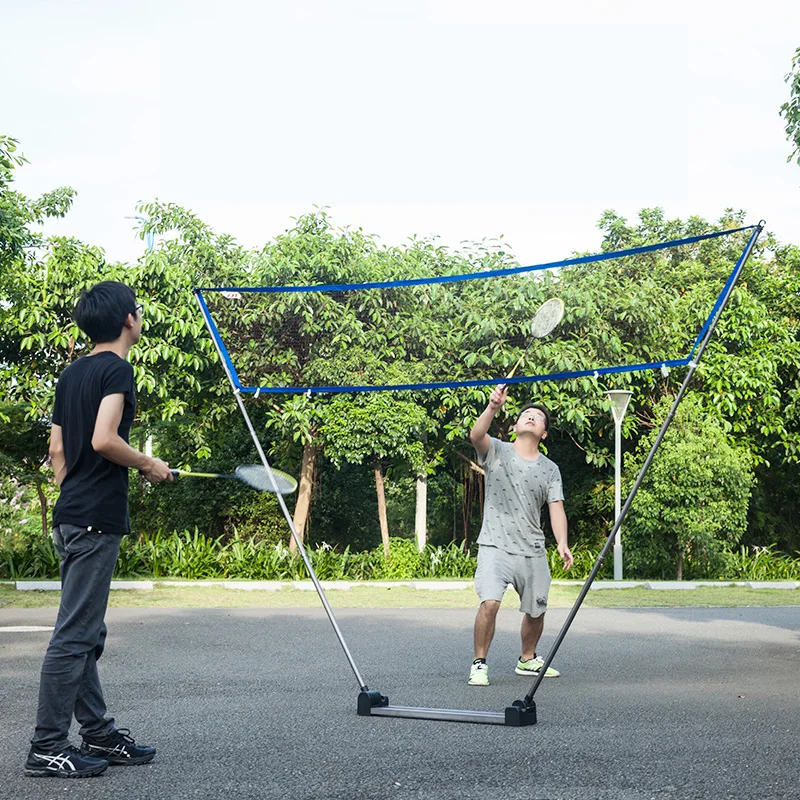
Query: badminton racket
[
  {"x": 547, "y": 317},
  {"x": 255, "y": 475}
]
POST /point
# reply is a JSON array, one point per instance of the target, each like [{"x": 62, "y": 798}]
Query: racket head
[
  {"x": 547, "y": 316},
  {"x": 257, "y": 476}
]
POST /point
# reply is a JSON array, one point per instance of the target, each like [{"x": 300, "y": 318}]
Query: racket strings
[
  {"x": 547, "y": 317},
  {"x": 258, "y": 477}
]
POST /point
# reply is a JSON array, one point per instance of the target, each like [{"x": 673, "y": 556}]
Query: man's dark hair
[
  {"x": 540, "y": 408},
  {"x": 101, "y": 310}
]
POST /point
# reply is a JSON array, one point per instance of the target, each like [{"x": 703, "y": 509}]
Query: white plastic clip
[
  {"x": 665, "y": 370},
  {"x": 258, "y": 392},
  {"x": 596, "y": 375},
  {"x": 692, "y": 364},
  {"x": 308, "y": 393}
]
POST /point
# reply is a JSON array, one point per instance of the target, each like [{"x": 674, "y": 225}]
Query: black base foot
[
  {"x": 520, "y": 713},
  {"x": 369, "y": 700}
]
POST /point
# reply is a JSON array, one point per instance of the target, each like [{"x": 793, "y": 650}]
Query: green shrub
[
  {"x": 29, "y": 557},
  {"x": 446, "y": 562},
  {"x": 193, "y": 556},
  {"x": 584, "y": 559},
  {"x": 403, "y": 561},
  {"x": 761, "y": 564}
]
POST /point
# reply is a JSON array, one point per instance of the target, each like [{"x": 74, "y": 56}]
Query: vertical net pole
[
  {"x": 301, "y": 549},
  {"x": 656, "y": 444}
]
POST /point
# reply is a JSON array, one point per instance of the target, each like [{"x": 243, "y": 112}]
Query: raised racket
[{"x": 546, "y": 318}]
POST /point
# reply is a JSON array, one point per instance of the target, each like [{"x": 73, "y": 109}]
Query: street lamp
[{"x": 619, "y": 404}]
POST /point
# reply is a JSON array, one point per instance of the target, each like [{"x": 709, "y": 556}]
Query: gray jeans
[{"x": 69, "y": 680}]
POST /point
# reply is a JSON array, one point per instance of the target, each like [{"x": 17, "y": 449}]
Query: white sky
[{"x": 460, "y": 118}]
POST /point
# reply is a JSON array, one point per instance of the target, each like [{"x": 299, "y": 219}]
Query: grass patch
[{"x": 376, "y": 596}]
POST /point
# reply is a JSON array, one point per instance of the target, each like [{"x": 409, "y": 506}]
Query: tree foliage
[
  {"x": 18, "y": 213},
  {"x": 692, "y": 506},
  {"x": 790, "y": 110},
  {"x": 745, "y": 393}
]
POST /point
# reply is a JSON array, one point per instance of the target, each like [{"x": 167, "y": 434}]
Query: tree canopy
[
  {"x": 744, "y": 399},
  {"x": 790, "y": 110}
]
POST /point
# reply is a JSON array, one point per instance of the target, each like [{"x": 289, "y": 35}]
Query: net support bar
[
  {"x": 528, "y": 699},
  {"x": 300, "y": 547}
]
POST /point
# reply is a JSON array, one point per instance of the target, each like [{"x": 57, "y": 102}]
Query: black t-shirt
[{"x": 94, "y": 492}]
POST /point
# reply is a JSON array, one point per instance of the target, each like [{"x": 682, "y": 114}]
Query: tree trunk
[
  {"x": 382, "y": 507},
  {"x": 421, "y": 516},
  {"x": 472, "y": 478},
  {"x": 680, "y": 565},
  {"x": 307, "y": 477},
  {"x": 43, "y": 506},
  {"x": 470, "y": 487}
]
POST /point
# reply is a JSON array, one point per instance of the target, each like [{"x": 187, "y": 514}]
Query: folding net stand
[{"x": 521, "y": 712}]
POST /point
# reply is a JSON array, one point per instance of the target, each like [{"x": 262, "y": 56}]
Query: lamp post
[{"x": 619, "y": 404}]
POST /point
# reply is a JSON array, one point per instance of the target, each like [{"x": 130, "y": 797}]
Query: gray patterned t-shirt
[{"x": 516, "y": 490}]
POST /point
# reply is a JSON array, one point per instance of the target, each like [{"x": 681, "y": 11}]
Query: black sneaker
[
  {"x": 118, "y": 748},
  {"x": 67, "y": 763}
]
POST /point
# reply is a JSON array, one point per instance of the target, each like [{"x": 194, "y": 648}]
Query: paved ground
[{"x": 653, "y": 704}]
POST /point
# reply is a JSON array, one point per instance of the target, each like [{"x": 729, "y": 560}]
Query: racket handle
[
  {"x": 502, "y": 386},
  {"x": 519, "y": 361},
  {"x": 176, "y": 473}
]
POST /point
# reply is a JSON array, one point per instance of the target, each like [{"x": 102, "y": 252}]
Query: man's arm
[
  {"x": 479, "y": 435},
  {"x": 109, "y": 444},
  {"x": 57, "y": 459},
  {"x": 558, "y": 521}
]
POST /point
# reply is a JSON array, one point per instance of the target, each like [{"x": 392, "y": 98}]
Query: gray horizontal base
[{"x": 448, "y": 714}]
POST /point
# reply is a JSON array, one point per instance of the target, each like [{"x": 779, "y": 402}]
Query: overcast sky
[{"x": 456, "y": 118}]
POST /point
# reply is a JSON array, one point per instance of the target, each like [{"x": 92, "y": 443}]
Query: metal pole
[
  {"x": 298, "y": 541},
  {"x": 617, "y": 497},
  {"x": 619, "y": 404},
  {"x": 528, "y": 699}
]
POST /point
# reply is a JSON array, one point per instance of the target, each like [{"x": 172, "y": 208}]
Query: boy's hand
[
  {"x": 157, "y": 471},
  {"x": 497, "y": 398}
]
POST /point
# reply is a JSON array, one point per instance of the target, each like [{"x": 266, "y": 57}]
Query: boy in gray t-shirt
[{"x": 511, "y": 550}]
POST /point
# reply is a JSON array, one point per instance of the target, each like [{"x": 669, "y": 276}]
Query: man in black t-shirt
[{"x": 94, "y": 408}]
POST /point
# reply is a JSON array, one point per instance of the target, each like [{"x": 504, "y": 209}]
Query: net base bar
[{"x": 518, "y": 715}]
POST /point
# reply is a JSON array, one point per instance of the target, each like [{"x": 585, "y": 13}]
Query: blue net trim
[{"x": 553, "y": 376}]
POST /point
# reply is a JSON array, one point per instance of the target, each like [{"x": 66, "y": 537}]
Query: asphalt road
[{"x": 653, "y": 704}]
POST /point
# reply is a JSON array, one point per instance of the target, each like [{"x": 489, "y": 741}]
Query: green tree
[
  {"x": 290, "y": 339},
  {"x": 790, "y": 110},
  {"x": 377, "y": 429},
  {"x": 23, "y": 428},
  {"x": 178, "y": 374},
  {"x": 692, "y": 506},
  {"x": 18, "y": 213},
  {"x": 177, "y": 377}
]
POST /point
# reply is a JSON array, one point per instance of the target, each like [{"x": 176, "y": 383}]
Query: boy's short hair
[
  {"x": 101, "y": 310},
  {"x": 540, "y": 408}
]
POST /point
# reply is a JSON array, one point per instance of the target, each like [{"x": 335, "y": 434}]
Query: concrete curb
[
  {"x": 308, "y": 586},
  {"x": 55, "y": 586}
]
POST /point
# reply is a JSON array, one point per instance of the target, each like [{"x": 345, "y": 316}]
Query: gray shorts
[{"x": 529, "y": 575}]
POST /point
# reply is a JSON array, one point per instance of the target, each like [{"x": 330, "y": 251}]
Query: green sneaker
[
  {"x": 532, "y": 667},
  {"x": 479, "y": 674}
]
